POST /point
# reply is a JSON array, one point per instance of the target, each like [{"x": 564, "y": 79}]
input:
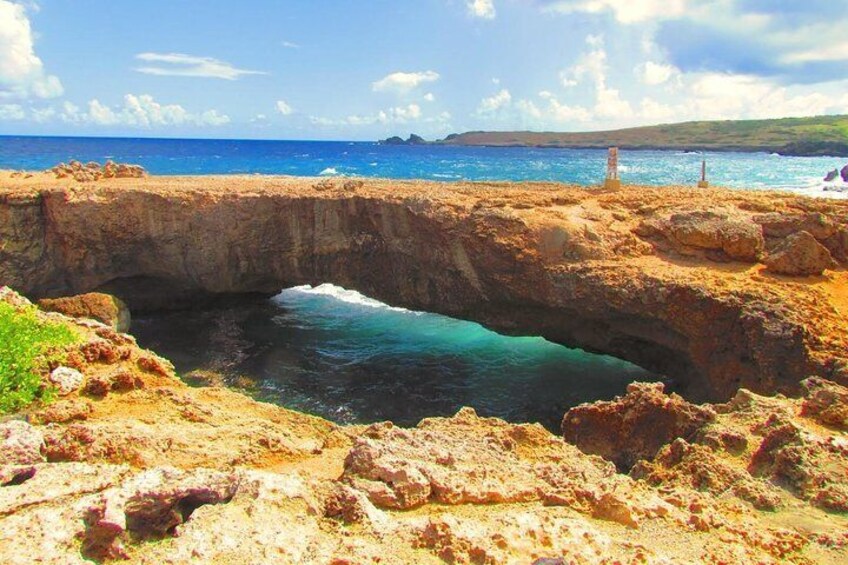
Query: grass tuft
[{"x": 27, "y": 345}]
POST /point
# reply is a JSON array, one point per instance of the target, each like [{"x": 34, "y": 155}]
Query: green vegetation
[
  {"x": 27, "y": 345},
  {"x": 821, "y": 135}
]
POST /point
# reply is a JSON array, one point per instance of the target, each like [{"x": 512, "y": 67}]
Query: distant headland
[{"x": 815, "y": 136}]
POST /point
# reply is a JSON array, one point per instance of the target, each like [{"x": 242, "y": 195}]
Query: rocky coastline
[{"x": 740, "y": 297}]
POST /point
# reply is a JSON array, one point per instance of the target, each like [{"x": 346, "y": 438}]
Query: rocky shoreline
[{"x": 737, "y": 295}]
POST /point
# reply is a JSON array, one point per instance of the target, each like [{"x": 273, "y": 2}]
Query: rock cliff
[{"x": 669, "y": 278}]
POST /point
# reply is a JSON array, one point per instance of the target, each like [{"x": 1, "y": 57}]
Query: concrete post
[
  {"x": 612, "y": 181},
  {"x": 703, "y": 182}
]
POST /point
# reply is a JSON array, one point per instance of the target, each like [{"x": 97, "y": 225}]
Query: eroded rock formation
[
  {"x": 667, "y": 278},
  {"x": 159, "y": 472}
]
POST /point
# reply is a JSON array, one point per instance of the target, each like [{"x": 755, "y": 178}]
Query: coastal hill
[{"x": 821, "y": 135}]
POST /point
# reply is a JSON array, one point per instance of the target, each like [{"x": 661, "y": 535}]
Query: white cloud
[
  {"x": 396, "y": 115},
  {"x": 43, "y": 115},
  {"x": 10, "y": 112},
  {"x": 429, "y": 97},
  {"x": 625, "y": 11},
  {"x": 593, "y": 65},
  {"x": 493, "y": 104},
  {"x": 284, "y": 108},
  {"x": 180, "y": 64},
  {"x": 401, "y": 82},
  {"x": 21, "y": 70},
  {"x": 652, "y": 73},
  {"x": 290, "y": 45},
  {"x": 484, "y": 9},
  {"x": 138, "y": 111}
]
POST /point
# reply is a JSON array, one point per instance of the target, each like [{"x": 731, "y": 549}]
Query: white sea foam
[
  {"x": 341, "y": 294},
  {"x": 329, "y": 171}
]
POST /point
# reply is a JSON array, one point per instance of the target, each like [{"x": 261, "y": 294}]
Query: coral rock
[
  {"x": 800, "y": 255},
  {"x": 67, "y": 380},
  {"x": 20, "y": 444}
]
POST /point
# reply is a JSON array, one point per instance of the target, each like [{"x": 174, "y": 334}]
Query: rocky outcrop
[
  {"x": 618, "y": 430},
  {"x": 832, "y": 175},
  {"x": 843, "y": 173},
  {"x": 800, "y": 255},
  {"x": 95, "y": 305},
  {"x": 632, "y": 274},
  {"x": 91, "y": 172}
]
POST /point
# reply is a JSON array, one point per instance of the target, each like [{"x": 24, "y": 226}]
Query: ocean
[{"x": 433, "y": 162}]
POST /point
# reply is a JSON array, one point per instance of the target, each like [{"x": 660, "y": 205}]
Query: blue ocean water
[
  {"x": 445, "y": 163},
  {"x": 338, "y": 354}
]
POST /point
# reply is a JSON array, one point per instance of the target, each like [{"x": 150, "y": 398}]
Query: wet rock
[
  {"x": 800, "y": 255},
  {"x": 831, "y": 175},
  {"x": 634, "y": 426},
  {"x": 844, "y": 173},
  {"x": 20, "y": 444},
  {"x": 66, "y": 380},
  {"x": 95, "y": 305}
]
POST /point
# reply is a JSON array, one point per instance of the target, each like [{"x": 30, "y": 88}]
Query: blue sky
[{"x": 322, "y": 69}]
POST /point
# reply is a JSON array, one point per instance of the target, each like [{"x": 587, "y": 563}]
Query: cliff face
[{"x": 668, "y": 278}]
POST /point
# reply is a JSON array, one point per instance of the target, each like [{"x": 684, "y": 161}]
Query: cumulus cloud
[
  {"x": 430, "y": 97},
  {"x": 593, "y": 66},
  {"x": 625, "y": 11},
  {"x": 22, "y": 73},
  {"x": 484, "y": 9},
  {"x": 180, "y": 64},
  {"x": 652, "y": 73},
  {"x": 139, "y": 111},
  {"x": 402, "y": 83},
  {"x": 396, "y": 115},
  {"x": 284, "y": 108},
  {"x": 494, "y": 103}
]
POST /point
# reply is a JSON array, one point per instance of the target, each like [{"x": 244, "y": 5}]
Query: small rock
[
  {"x": 831, "y": 176},
  {"x": 800, "y": 255},
  {"x": 20, "y": 444},
  {"x": 67, "y": 380},
  {"x": 844, "y": 173}
]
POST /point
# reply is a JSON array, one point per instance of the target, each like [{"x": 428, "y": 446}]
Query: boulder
[
  {"x": 800, "y": 254},
  {"x": 832, "y": 175},
  {"x": 20, "y": 444},
  {"x": 826, "y": 402},
  {"x": 780, "y": 225},
  {"x": 844, "y": 173},
  {"x": 95, "y": 305},
  {"x": 720, "y": 236},
  {"x": 634, "y": 426},
  {"x": 67, "y": 380}
]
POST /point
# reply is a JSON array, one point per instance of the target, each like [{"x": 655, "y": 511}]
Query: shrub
[{"x": 27, "y": 345}]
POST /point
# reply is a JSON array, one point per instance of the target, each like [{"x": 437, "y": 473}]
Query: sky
[{"x": 369, "y": 69}]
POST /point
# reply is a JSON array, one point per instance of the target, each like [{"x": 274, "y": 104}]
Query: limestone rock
[
  {"x": 20, "y": 444},
  {"x": 634, "y": 426},
  {"x": 716, "y": 234},
  {"x": 800, "y": 255},
  {"x": 95, "y": 305},
  {"x": 781, "y": 225},
  {"x": 826, "y": 402},
  {"x": 67, "y": 380}
]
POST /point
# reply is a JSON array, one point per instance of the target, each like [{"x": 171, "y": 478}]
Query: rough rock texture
[
  {"x": 158, "y": 472},
  {"x": 92, "y": 171},
  {"x": 631, "y": 273},
  {"x": 619, "y": 430},
  {"x": 67, "y": 380},
  {"x": 95, "y": 305},
  {"x": 800, "y": 255}
]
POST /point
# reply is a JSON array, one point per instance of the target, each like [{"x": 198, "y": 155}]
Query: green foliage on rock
[{"x": 27, "y": 345}]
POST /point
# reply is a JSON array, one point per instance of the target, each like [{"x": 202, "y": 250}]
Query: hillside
[{"x": 822, "y": 135}]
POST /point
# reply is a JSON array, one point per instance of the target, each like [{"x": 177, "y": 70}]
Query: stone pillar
[
  {"x": 612, "y": 181},
  {"x": 703, "y": 182}
]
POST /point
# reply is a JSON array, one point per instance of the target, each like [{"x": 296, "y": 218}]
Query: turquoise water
[
  {"x": 445, "y": 163},
  {"x": 335, "y": 353}
]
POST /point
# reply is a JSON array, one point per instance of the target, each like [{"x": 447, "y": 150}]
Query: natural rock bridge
[{"x": 667, "y": 278}]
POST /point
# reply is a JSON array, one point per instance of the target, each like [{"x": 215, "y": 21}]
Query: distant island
[{"x": 815, "y": 136}]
